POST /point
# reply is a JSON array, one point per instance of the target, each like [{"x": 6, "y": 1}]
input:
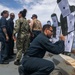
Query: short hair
[
  {"x": 34, "y": 15},
  {"x": 46, "y": 26},
  {"x": 12, "y": 14},
  {"x": 4, "y": 12}
]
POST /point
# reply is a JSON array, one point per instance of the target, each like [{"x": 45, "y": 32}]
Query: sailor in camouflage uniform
[{"x": 23, "y": 33}]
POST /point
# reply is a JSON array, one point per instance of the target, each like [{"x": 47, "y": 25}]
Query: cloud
[
  {"x": 46, "y": 8},
  {"x": 43, "y": 8},
  {"x": 2, "y": 7},
  {"x": 71, "y": 2},
  {"x": 28, "y": 1}
]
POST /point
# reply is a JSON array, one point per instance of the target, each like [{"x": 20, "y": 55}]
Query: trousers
[
  {"x": 35, "y": 66},
  {"x": 3, "y": 52}
]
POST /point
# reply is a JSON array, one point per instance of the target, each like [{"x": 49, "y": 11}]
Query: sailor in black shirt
[
  {"x": 32, "y": 62},
  {"x": 4, "y": 37},
  {"x": 10, "y": 27}
]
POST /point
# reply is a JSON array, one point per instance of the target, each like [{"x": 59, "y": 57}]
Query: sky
[{"x": 43, "y": 8}]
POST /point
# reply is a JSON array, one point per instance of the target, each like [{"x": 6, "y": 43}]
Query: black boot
[{"x": 17, "y": 62}]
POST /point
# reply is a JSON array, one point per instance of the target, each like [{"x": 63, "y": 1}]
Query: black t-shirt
[{"x": 10, "y": 27}]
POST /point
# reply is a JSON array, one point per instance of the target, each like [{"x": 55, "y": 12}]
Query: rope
[{"x": 55, "y": 8}]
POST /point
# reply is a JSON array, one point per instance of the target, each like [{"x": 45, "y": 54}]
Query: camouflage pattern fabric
[
  {"x": 23, "y": 36},
  {"x": 37, "y": 25}
]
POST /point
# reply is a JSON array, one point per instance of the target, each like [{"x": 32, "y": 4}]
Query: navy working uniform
[
  {"x": 4, "y": 53},
  {"x": 32, "y": 62},
  {"x": 10, "y": 28}
]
